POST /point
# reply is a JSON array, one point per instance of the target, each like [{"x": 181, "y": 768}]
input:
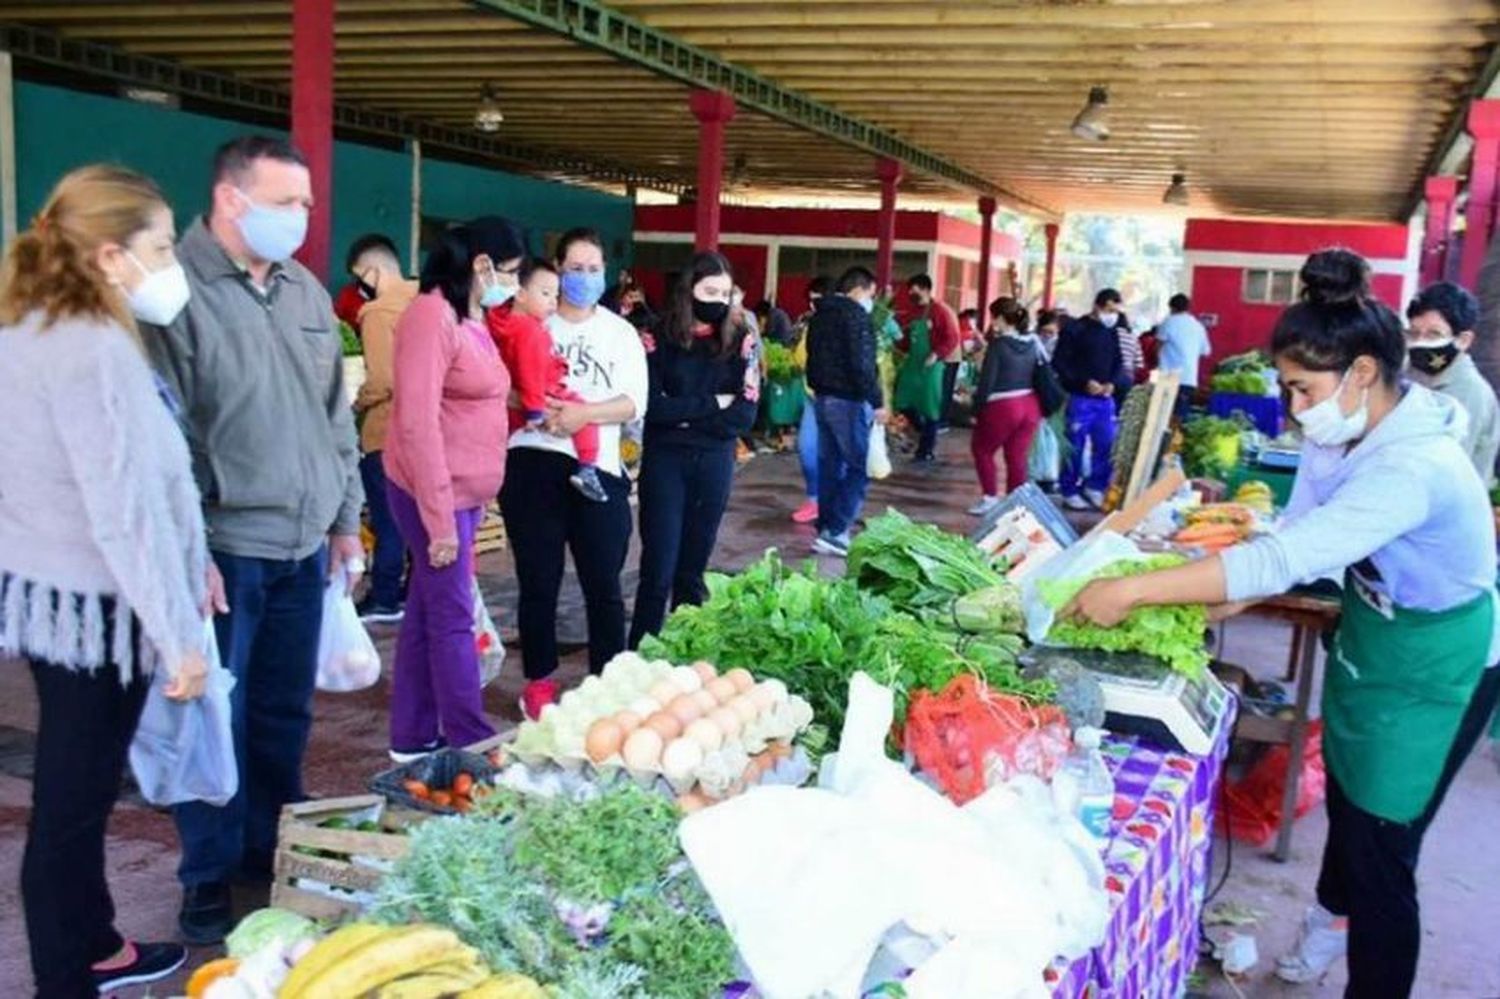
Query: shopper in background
[
  {"x": 932, "y": 337},
  {"x": 1440, "y": 333},
  {"x": 807, "y": 430},
  {"x": 775, "y": 324},
  {"x": 842, "y": 370},
  {"x": 256, "y": 361},
  {"x": 1049, "y": 324},
  {"x": 1089, "y": 365},
  {"x": 1132, "y": 355},
  {"x": 1183, "y": 347},
  {"x": 704, "y": 393},
  {"x": 544, "y": 514},
  {"x": 373, "y": 264},
  {"x": 102, "y": 559},
  {"x": 444, "y": 460},
  {"x": 1007, "y": 412}
]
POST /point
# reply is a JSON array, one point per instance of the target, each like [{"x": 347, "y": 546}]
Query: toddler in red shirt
[{"x": 537, "y": 372}]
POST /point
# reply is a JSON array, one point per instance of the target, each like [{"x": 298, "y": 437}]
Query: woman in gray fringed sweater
[{"x": 102, "y": 552}]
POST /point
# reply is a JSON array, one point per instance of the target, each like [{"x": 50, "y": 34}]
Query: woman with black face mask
[{"x": 704, "y": 391}]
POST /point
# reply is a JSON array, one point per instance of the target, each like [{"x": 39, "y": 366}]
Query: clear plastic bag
[
  {"x": 487, "y": 641},
  {"x": 347, "y": 657},
  {"x": 184, "y": 750},
  {"x": 878, "y": 461}
]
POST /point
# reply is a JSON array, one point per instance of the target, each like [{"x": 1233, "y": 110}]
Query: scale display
[{"x": 1143, "y": 697}]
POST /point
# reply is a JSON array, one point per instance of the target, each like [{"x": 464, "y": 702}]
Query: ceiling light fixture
[
  {"x": 1092, "y": 122},
  {"x": 488, "y": 117},
  {"x": 1176, "y": 192}
]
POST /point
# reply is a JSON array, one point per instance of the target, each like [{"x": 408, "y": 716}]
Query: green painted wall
[{"x": 57, "y": 130}]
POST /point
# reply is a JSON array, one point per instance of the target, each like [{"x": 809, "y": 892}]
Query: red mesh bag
[
  {"x": 969, "y": 737},
  {"x": 1252, "y": 804}
]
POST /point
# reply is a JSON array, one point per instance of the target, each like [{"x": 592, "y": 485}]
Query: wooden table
[{"x": 1310, "y": 617}]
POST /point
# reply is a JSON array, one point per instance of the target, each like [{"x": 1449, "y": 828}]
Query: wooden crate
[
  {"x": 345, "y": 860},
  {"x": 490, "y": 537}
]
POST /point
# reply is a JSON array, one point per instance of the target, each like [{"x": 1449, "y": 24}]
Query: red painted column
[
  {"x": 714, "y": 109},
  {"x": 312, "y": 120},
  {"x": 889, "y": 172},
  {"x": 986, "y": 245},
  {"x": 1051, "y": 230},
  {"x": 1442, "y": 194},
  {"x": 1484, "y": 126}
]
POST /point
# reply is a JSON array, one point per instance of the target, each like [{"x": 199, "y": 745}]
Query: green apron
[
  {"x": 919, "y": 386},
  {"x": 1397, "y": 686}
]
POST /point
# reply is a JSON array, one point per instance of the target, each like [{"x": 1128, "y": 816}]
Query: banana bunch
[
  {"x": 1257, "y": 496},
  {"x": 398, "y": 962}
]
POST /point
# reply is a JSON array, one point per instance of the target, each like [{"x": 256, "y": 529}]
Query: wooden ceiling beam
[{"x": 856, "y": 36}]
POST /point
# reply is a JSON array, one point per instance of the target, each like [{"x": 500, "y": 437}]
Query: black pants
[
  {"x": 950, "y": 383},
  {"x": 1370, "y": 865},
  {"x": 684, "y": 491},
  {"x": 86, "y": 723},
  {"x": 388, "y": 565},
  {"x": 545, "y": 515}
]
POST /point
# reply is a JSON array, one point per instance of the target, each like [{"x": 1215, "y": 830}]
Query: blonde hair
[{"x": 50, "y": 267}]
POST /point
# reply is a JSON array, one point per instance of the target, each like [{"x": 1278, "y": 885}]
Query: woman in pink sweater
[{"x": 444, "y": 459}]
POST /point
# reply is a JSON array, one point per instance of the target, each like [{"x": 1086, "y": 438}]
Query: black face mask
[
  {"x": 1434, "y": 360},
  {"x": 366, "y": 289},
  {"x": 916, "y": 300},
  {"x": 710, "y": 313}
]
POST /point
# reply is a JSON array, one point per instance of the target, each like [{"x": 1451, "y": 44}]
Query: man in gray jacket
[{"x": 256, "y": 362}]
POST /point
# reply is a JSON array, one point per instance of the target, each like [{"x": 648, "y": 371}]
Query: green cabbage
[{"x": 265, "y": 927}]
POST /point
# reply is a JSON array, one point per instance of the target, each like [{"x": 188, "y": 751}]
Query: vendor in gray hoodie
[{"x": 256, "y": 361}]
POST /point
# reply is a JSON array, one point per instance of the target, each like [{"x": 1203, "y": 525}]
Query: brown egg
[
  {"x": 745, "y": 708},
  {"x": 628, "y": 721},
  {"x": 741, "y": 679},
  {"x": 705, "y": 671},
  {"x": 664, "y": 725},
  {"x": 692, "y": 802},
  {"x": 722, "y": 688},
  {"x": 642, "y": 751},
  {"x": 603, "y": 740},
  {"x": 706, "y": 702},
  {"x": 728, "y": 722},
  {"x": 684, "y": 709}
]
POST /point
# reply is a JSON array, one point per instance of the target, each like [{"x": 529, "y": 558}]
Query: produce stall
[
  {"x": 1246, "y": 385},
  {"x": 854, "y": 787}
]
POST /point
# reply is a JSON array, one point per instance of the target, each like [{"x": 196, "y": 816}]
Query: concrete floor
[{"x": 1459, "y": 960}]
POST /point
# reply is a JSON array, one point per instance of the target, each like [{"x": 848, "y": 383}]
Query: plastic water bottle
[{"x": 1087, "y": 789}]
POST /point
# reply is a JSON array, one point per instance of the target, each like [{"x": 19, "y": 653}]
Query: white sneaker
[
  {"x": 984, "y": 506},
  {"x": 1075, "y": 503},
  {"x": 1095, "y": 498},
  {"x": 1322, "y": 943}
]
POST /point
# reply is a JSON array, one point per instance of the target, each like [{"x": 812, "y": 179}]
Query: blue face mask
[
  {"x": 868, "y": 304},
  {"x": 583, "y": 289},
  {"x": 273, "y": 234},
  {"x": 496, "y": 295}
]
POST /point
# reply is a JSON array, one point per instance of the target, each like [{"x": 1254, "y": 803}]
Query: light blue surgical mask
[
  {"x": 273, "y": 234},
  {"x": 496, "y": 295},
  {"x": 583, "y": 289},
  {"x": 868, "y": 304}
]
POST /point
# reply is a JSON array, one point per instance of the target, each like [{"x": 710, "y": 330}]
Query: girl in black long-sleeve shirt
[{"x": 704, "y": 391}]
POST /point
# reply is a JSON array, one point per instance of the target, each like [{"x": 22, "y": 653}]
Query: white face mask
[
  {"x": 1327, "y": 424},
  {"x": 1109, "y": 319},
  {"x": 162, "y": 296}
]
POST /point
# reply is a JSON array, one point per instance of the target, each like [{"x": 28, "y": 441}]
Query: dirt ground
[{"x": 1461, "y": 862}]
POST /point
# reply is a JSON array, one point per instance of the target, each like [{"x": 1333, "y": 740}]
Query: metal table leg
[{"x": 1307, "y": 639}]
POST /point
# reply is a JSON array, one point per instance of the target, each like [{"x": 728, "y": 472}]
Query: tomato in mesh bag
[{"x": 969, "y": 737}]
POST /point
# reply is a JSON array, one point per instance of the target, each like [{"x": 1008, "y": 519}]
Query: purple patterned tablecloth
[{"x": 1157, "y": 869}]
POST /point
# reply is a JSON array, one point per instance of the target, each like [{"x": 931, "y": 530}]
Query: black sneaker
[
  {"x": 371, "y": 612},
  {"x": 152, "y": 963},
  {"x": 586, "y": 481},
  {"x": 207, "y": 915}
]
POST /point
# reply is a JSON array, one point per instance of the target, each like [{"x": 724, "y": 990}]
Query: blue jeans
[
  {"x": 388, "y": 564},
  {"x": 1091, "y": 420},
  {"x": 843, "y": 449},
  {"x": 807, "y": 447},
  {"x": 269, "y": 641}
]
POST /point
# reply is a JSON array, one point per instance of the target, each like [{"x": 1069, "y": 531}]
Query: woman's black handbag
[{"x": 1049, "y": 391}]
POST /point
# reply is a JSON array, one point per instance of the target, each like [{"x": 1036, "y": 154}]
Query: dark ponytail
[
  {"x": 1013, "y": 312},
  {"x": 1338, "y": 321}
]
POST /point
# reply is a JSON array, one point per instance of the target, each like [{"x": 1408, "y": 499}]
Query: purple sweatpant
[
  {"x": 436, "y": 687},
  {"x": 1091, "y": 420}
]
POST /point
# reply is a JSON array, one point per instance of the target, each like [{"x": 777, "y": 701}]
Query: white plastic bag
[
  {"x": 1044, "y": 464},
  {"x": 347, "y": 658},
  {"x": 184, "y": 750},
  {"x": 1092, "y": 553},
  {"x": 878, "y": 460},
  {"x": 486, "y": 641}
]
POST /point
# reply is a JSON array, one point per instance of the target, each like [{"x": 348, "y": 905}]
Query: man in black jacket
[
  {"x": 1089, "y": 364},
  {"x": 842, "y": 371}
]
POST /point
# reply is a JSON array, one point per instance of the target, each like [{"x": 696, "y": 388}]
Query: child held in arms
[{"x": 538, "y": 373}]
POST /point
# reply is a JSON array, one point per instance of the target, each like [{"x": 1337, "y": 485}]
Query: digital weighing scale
[{"x": 1143, "y": 697}]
